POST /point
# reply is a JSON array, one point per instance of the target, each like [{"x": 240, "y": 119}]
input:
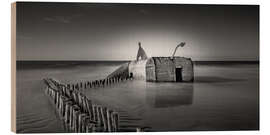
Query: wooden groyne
[
  {"x": 119, "y": 78},
  {"x": 78, "y": 113}
]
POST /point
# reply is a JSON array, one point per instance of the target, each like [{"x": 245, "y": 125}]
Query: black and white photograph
[{"x": 135, "y": 67}]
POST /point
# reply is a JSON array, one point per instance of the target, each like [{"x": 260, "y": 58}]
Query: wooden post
[
  {"x": 93, "y": 84},
  {"x": 81, "y": 122},
  {"x": 68, "y": 93},
  {"x": 61, "y": 105},
  {"x": 57, "y": 100},
  {"x": 100, "y": 83},
  {"x": 71, "y": 116},
  {"x": 47, "y": 90},
  {"x": 76, "y": 111},
  {"x": 109, "y": 121},
  {"x": 94, "y": 113},
  {"x": 99, "y": 122},
  {"x": 103, "y": 114},
  {"x": 54, "y": 96},
  {"x": 115, "y": 121},
  {"x": 89, "y": 108},
  {"x": 83, "y": 106},
  {"x": 65, "y": 91},
  {"x": 80, "y": 102},
  {"x": 85, "y": 121},
  {"x": 77, "y": 98},
  {"x": 74, "y": 95},
  {"x": 104, "y": 82},
  {"x": 89, "y": 128},
  {"x": 97, "y": 83},
  {"x": 67, "y": 111}
]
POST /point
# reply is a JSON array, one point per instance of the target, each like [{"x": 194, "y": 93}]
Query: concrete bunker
[
  {"x": 157, "y": 69},
  {"x": 163, "y": 69}
]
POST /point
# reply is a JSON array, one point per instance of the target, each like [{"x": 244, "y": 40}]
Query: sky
[{"x": 95, "y": 31}]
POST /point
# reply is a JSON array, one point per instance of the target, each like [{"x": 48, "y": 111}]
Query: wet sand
[{"x": 221, "y": 98}]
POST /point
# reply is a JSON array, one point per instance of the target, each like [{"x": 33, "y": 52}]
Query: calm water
[{"x": 223, "y": 97}]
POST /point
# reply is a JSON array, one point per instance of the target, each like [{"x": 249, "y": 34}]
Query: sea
[{"x": 224, "y": 96}]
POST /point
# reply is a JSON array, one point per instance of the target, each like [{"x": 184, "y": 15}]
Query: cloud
[{"x": 62, "y": 19}]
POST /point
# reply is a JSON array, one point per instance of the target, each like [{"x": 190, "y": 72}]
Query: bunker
[
  {"x": 157, "y": 69},
  {"x": 163, "y": 69}
]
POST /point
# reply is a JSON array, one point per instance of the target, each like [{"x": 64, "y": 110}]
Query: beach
[{"x": 222, "y": 97}]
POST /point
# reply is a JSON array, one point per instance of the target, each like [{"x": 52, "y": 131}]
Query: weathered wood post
[
  {"x": 68, "y": 104},
  {"x": 85, "y": 120},
  {"x": 61, "y": 105},
  {"x": 107, "y": 81},
  {"x": 54, "y": 96},
  {"x": 94, "y": 84},
  {"x": 109, "y": 122},
  {"x": 83, "y": 104},
  {"x": 89, "y": 108},
  {"x": 64, "y": 91},
  {"x": 111, "y": 80},
  {"x": 80, "y": 102},
  {"x": 103, "y": 114},
  {"x": 77, "y": 98},
  {"x": 94, "y": 112},
  {"x": 99, "y": 122},
  {"x": 98, "y": 83},
  {"x": 73, "y": 87},
  {"x": 71, "y": 116},
  {"x": 57, "y": 100},
  {"x": 76, "y": 111},
  {"x": 115, "y": 121},
  {"x": 89, "y": 128},
  {"x": 68, "y": 93},
  {"x": 74, "y": 96},
  {"x": 103, "y": 82},
  {"x": 90, "y": 84},
  {"x": 81, "y": 122}
]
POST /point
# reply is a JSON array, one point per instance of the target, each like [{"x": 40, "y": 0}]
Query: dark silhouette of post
[
  {"x": 141, "y": 55},
  {"x": 182, "y": 44}
]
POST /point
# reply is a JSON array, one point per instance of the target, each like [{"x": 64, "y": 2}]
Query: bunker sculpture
[{"x": 158, "y": 69}]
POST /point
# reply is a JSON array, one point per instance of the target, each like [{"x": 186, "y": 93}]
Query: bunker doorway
[{"x": 178, "y": 74}]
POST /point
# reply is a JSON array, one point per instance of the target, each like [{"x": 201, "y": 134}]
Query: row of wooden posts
[
  {"x": 78, "y": 112},
  {"x": 97, "y": 83}
]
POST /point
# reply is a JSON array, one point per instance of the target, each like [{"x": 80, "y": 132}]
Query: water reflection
[{"x": 169, "y": 95}]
